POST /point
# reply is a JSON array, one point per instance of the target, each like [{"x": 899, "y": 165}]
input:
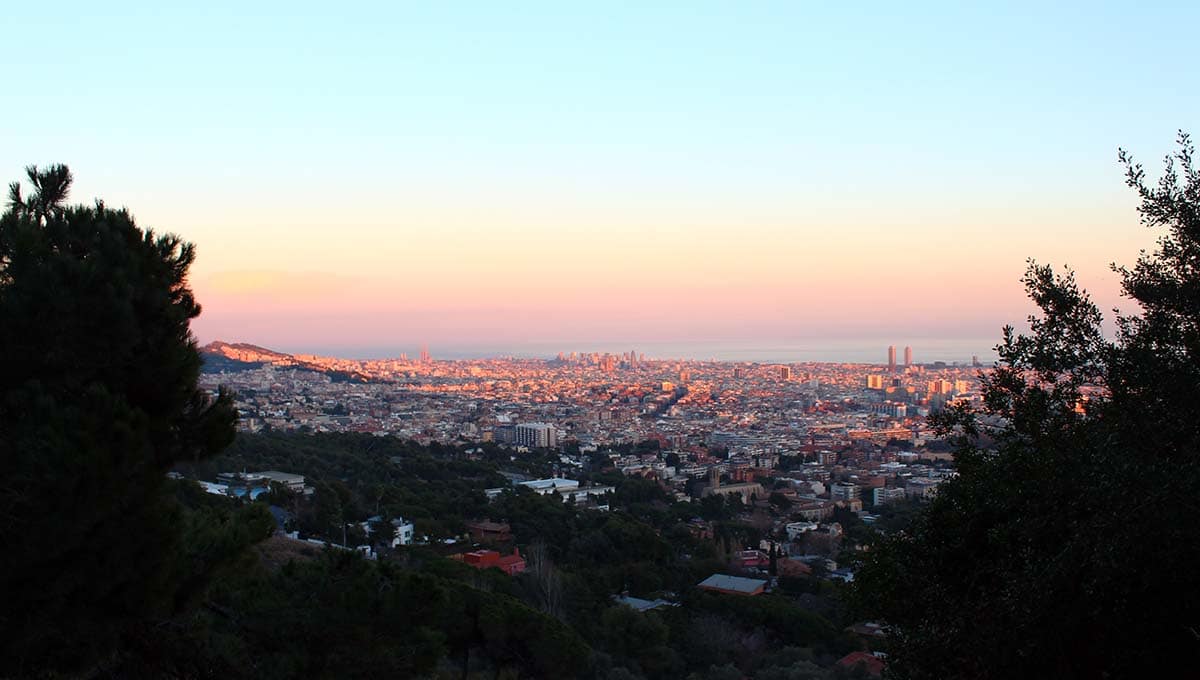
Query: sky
[{"x": 362, "y": 178}]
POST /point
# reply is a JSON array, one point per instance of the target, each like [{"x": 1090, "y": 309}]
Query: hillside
[{"x": 220, "y": 356}]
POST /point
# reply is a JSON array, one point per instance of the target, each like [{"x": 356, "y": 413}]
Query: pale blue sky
[
  {"x": 753, "y": 83},
  {"x": 294, "y": 119}
]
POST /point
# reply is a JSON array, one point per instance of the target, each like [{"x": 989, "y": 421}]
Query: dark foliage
[
  {"x": 357, "y": 476},
  {"x": 578, "y": 560},
  {"x": 1068, "y": 548},
  {"x": 98, "y": 400}
]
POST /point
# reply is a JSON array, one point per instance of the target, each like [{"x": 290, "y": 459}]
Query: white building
[
  {"x": 796, "y": 529},
  {"x": 292, "y": 482},
  {"x": 883, "y": 496},
  {"x": 921, "y": 488},
  {"x": 570, "y": 489},
  {"x": 404, "y": 532},
  {"x": 842, "y": 491},
  {"x": 552, "y": 485}
]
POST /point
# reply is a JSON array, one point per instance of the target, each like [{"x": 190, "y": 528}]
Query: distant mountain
[
  {"x": 245, "y": 353},
  {"x": 215, "y": 362},
  {"x": 221, "y": 356}
]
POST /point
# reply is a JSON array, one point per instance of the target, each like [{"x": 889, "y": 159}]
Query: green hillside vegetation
[{"x": 579, "y": 559}]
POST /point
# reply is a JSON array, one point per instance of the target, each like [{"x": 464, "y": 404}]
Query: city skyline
[
  {"x": 487, "y": 177},
  {"x": 857, "y": 352}
]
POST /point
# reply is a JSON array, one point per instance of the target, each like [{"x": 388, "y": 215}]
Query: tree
[
  {"x": 98, "y": 400},
  {"x": 1066, "y": 548},
  {"x": 383, "y": 532},
  {"x": 544, "y": 581}
]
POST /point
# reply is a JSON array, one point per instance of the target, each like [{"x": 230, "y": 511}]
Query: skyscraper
[
  {"x": 908, "y": 356},
  {"x": 891, "y": 357},
  {"x": 785, "y": 372}
]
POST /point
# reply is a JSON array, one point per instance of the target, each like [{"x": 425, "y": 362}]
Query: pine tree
[
  {"x": 1068, "y": 549},
  {"x": 98, "y": 399}
]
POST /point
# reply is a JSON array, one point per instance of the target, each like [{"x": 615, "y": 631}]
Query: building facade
[{"x": 536, "y": 435}]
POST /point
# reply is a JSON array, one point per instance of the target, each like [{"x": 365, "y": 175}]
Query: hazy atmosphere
[{"x": 366, "y": 178}]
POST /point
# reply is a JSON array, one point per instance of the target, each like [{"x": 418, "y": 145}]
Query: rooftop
[
  {"x": 643, "y": 605},
  {"x": 737, "y": 584}
]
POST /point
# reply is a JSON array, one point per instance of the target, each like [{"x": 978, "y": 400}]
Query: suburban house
[
  {"x": 751, "y": 559},
  {"x": 871, "y": 664},
  {"x": 402, "y": 532},
  {"x": 483, "y": 559},
  {"x": 485, "y": 531}
]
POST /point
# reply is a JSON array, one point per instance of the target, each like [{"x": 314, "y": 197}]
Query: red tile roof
[{"x": 873, "y": 664}]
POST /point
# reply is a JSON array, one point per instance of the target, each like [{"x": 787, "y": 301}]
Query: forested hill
[{"x": 558, "y": 618}]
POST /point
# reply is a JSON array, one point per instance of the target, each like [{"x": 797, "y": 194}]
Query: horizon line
[{"x": 863, "y": 352}]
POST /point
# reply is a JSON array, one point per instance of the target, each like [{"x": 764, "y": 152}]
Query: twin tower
[{"x": 892, "y": 357}]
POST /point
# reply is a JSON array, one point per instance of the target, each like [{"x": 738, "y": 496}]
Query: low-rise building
[
  {"x": 921, "y": 488},
  {"x": 484, "y": 559},
  {"x": 885, "y": 496},
  {"x": 733, "y": 585},
  {"x": 485, "y": 531},
  {"x": 751, "y": 559},
  {"x": 404, "y": 532}
]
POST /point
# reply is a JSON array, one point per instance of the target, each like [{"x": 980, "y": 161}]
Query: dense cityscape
[
  {"x": 825, "y": 436},
  {"x": 593, "y": 400},
  {"x": 785, "y": 467},
  {"x": 599, "y": 341}
]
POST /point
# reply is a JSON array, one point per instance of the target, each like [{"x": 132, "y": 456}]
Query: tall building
[
  {"x": 908, "y": 356},
  {"x": 785, "y": 372},
  {"x": 891, "y": 357},
  {"x": 940, "y": 386},
  {"x": 424, "y": 354},
  {"x": 536, "y": 435}
]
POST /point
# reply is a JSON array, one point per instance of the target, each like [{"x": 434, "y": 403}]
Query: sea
[{"x": 926, "y": 350}]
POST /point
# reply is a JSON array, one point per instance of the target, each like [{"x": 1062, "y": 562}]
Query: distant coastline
[{"x": 816, "y": 351}]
